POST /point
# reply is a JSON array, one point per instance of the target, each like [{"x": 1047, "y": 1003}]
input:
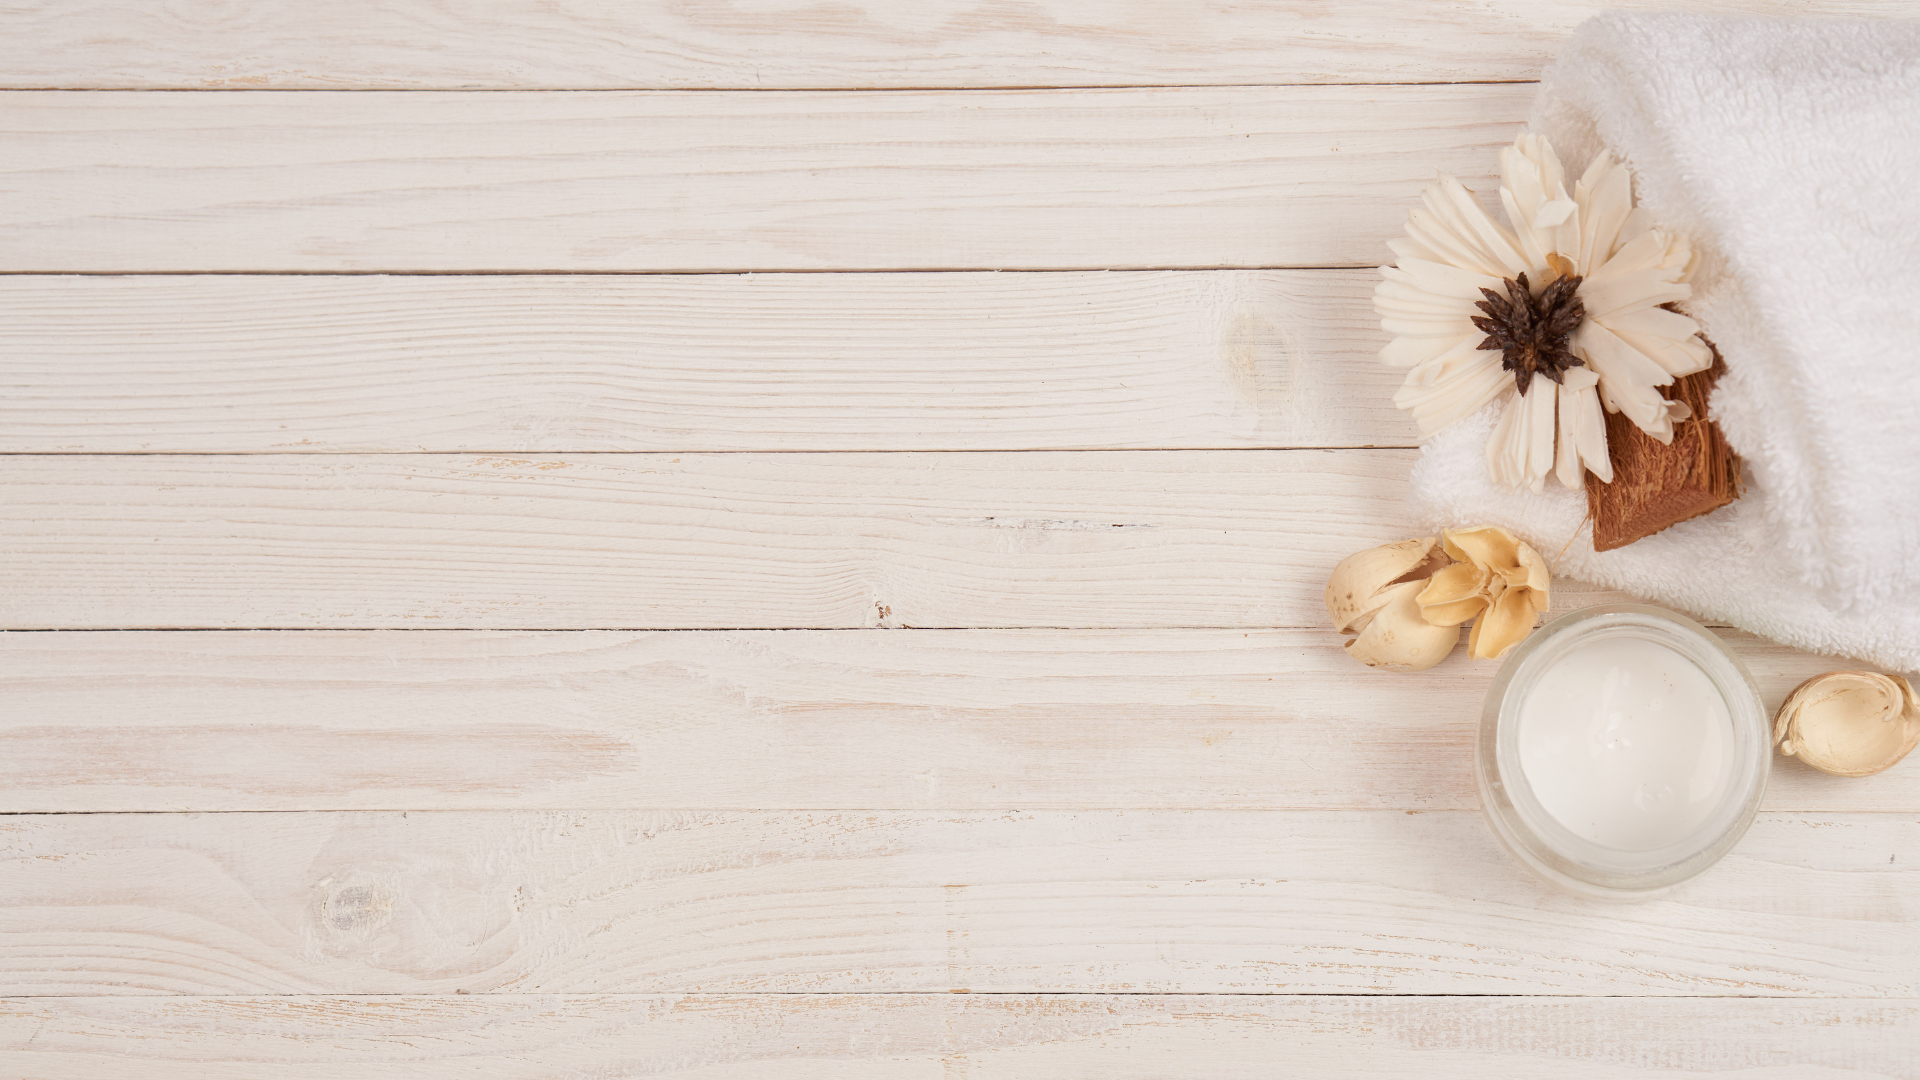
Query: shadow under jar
[{"x": 1623, "y": 750}]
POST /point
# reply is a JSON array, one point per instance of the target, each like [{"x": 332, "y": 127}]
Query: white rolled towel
[{"x": 1789, "y": 152}]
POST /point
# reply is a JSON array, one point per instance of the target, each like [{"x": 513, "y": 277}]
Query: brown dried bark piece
[{"x": 1656, "y": 485}]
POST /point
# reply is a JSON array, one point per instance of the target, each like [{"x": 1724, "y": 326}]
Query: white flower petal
[
  {"x": 1407, "y": 350},
  {"x": 1627, "y": 379},
  {"x": 1639, "y": 221},
  {"x": 1521, "y": 449},
  {"x": 1506, "y": 452},
  {"x": 1441, "y": 279},
  {"x": 1522, "y": 177},
  {"x": 1607, "y": 193},
  {"x": 1610, "y": 299},
  {"x": 1395, "y": 306},
  {"x": 1406, "y": 248},
  {"x": 1531, "y": 170},
  {"x": 1426, "y": 326},
  {"x": 1682, "y": 357},
  {"x": 1533, "y": 244},
  {"x": 1655, "y": 321},
  {"x": 1464, "y": 355},
  {"x": 1542, "y": 398},
  {"x": 1679, "y": 256},
  {"x": 1644, "y": 254},
  {"x": 1496, "y": 249},
  {"x": 1534, "y": 195},
  {"x": 1583, "y": 431},
  {"x": 1410, "y": 297},
  {"x": 1439, "y": 236},
  {"x": 1460, "y": 395},
  {"x": 1553, "y": 213},
  {"x": 1553, "y": 177}
]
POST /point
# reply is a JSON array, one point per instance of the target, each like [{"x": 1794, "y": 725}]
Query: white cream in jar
[
  {"x": 1626, "y": 743},
  {"x": 1622, "y": 750}
]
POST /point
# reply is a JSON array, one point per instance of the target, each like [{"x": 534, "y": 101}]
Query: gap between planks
[{"x": 1018, "y": 88}]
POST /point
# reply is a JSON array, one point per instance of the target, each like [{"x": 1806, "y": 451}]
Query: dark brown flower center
[{"x": 1531, "y": 331}]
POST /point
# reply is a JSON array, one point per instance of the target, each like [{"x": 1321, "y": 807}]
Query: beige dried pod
[
  {"x": 1459, "y": 592},
  {"x": 1499, "y": 582},
  {"x": 1358, "y": 587},
  {"x": 1398, "y": 638},
  {"x": 1849, "y": 723}
]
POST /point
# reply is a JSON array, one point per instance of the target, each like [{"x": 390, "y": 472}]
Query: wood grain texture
[
  {"x": 1213, "y": 538},
  {"x": 717, "y": 541},
  {"x": 1097, "y": 901},
  {"x": 942, "y": 1036},
  {"x": 1063, "y": 179},
  {"x": 870, "y": 719},
  {"x": 768, "y": 44},
  {"x": 547, "y": 364}
]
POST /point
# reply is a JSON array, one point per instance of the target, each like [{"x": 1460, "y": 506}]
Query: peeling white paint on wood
[
  {"x": 921, "y": 719},
  {"x": 939, "y": 1036},
  {"x": 679, "y": 363},
  {"x": 1297, "y": 902}
]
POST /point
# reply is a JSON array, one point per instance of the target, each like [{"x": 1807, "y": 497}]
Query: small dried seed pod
[
  {"x": 1849, "y": 723},
  {"x": 1497, "y": 580},
  {"x": 1358, "y": 588},
  {"x": 1398, "y": 639}
]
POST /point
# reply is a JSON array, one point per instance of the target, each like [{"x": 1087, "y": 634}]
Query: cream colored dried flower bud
[
  {"x": 1396, "y": 637},
  {"x": 1459, "y": 592},
  {"x": 1375, "y": 594},
  {"x": 1358, "y": 587},
  {"x": 1849, "y": 723},
  {"x": 1498, "y": 581}
]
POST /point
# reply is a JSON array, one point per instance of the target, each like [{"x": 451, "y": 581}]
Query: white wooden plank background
[
  {"x": 544, "y": 364},
  {"x": 993, "y": 180},
  {"x": 694, "y": 541},
  {"x": 939, "y": 1037},
  {"x": 870, "y": 719},
  {"x": 1133, "y": 901},
  {"x": 346, "y": 427},
  {"x": 718, "y": 541},
  {"x": 768, "y": 44}
]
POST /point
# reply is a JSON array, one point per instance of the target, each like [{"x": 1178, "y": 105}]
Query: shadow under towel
[{"x": 1788, "y": 151}]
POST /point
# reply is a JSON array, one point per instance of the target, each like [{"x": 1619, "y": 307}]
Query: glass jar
[{"x": 1623, "y": 749}]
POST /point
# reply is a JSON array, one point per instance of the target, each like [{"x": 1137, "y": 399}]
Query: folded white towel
[{"x": 1788, "y": 151}]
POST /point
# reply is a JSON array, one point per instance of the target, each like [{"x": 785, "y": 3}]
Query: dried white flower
[{"x": 1571, "y": 292}]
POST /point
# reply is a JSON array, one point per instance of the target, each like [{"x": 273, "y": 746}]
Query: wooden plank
[
  {"x": 924, "y": 719},
  {"x": 716, "y": 541},
  {"x": 545, "y": 364},
  {"x": 937, "y": 1036},
  {"x": 603, "y": 44},
  {"x": 1358, "y": 902},
  {"x": 791, "y": 180},
  {"x": 1184, "y": 538}
]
